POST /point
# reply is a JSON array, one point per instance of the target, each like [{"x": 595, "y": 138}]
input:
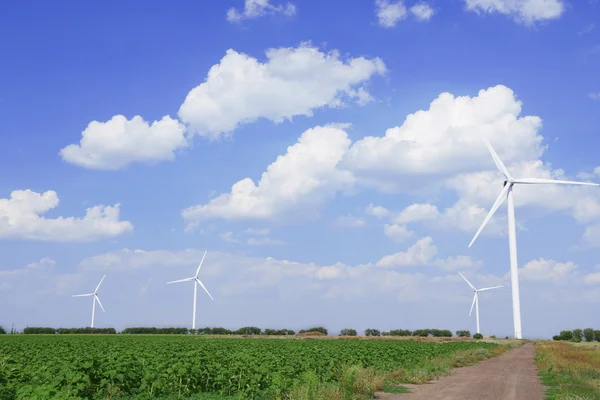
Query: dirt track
[{"x": 511, "y": 376}]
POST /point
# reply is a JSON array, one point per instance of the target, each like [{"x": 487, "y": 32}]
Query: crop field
[{"x": 156, "y": 366}]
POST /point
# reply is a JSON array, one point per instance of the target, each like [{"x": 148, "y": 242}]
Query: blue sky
[{"x": 300, "y": 94}]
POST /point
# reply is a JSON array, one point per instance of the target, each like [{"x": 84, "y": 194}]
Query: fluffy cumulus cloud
[
  {"x": 525, "y": 11},
  {"x": 446, "y": 138},
  {"x": 422, "y": 11},
  {"x": 241, "y": 89},
  {"x": 21, "y": 216},
  {"x": 389, "y": 13},
  {"x": 423, "y": 253},
  {"x": 258, "y": 8},
  {"x": 547, "y": 270},
  {"x": 398, "y": 233},
  {"x": 119, "y": 142},
  {"x": 301, "y": 179}
]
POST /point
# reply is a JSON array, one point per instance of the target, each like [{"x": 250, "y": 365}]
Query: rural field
[{"x": 194, "y": 367}]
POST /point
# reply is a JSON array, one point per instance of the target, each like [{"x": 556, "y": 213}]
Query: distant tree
[
  {"x": 446, "y": 333},
  {"x": 2, "y": 331},
  {"x": 421, "y": 332},
  {"x": 588, "y": 334},
  {"x": 400, "y": 332},
  {"x": 478, "y": 336},
  {"x": 566, "y": 335},
  {"x": 348, "y": 332},
  {"x": 39, "y": 331},
  {"x": 220, "y": 331},
  {"x": 248, "y": 330},
  {"x": 316, "y": 329},
  {"x": 463, "y": 333},
  {"x": 577, "y": 335},
  {"x": 597, "y": 335},
  {"x": 372, "y": 332},
  {"x": 493, "y": 337}
]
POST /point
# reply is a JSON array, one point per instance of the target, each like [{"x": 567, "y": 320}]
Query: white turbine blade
[
  {"x": 539, "y": 180},
  {"x": 489, "y": 288},
  {"x": 497, "y": 160},
  {"x": 98, "y": 287},
  {"x": 100, "y": 304},
  {"x": 182, "y": 280},
  {"x": 201, "y": 261},
  {"x": 466, "y": 280},
  {"x": 199, "y": 282},
  {"x": 473, "y": 304},
  {"x": 83, "y": 295},
  {"x": 497, "y": 204}
]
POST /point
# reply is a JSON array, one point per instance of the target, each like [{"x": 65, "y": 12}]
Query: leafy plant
[{"x": 478, "y": 336}]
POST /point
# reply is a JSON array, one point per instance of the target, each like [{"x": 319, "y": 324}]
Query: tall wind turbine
[
  {"x": 96, "y": 299},
  {"x": 507, "y": 192},
  {"x": 476, "y": 298},
  {"x": 195, "y": 280}
]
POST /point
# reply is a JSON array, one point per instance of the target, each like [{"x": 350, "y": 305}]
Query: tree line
[
  {"x": 578, "y": 335},
  {"x": 253, "y": 330}
]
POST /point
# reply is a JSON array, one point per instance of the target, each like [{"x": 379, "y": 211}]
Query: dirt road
[{"x": 511, "y": 376}]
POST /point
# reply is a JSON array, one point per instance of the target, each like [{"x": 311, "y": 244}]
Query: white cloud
[
  {"x": 547, "y": 270},
  {"x": 524, "y": 11},
  {"x": 422, "y": 11},
  {"x": 265, "y": 241},
  {"x": 300, "y": 180},
  {"x": 228, "y": 237},
  {"x": 241, "y": 89},
  {"x": 350, "y": 221},
  {"x": 398, "y": 233},
  {"x": 592, "y": 278},
  {"x": 21, "y": 217},
  {"x": 417, "y": 212},
  {"x": 119, "y": 142},
  {"x": 594, "y": 96},
  {"x": 260, "y": 232},
  {"x": 258, "y": 8},
  {"x": 377, "y": 211},
  {"x": 446, "y": 138},
  {"x": 422, "y": 253},
  {"x": 389, "y": 13}
]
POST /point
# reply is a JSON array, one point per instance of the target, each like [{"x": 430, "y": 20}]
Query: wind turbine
[
  {"x": 507, "y": 192},
  {"x": 476, "y": 298},
  {"x": 96, "y": 299},
  {"x": 195, "y": 280}
]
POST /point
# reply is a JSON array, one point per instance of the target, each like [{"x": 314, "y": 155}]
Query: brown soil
[{"x": 511, "y": 376}]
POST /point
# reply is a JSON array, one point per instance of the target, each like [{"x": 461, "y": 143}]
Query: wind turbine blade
[
  {"x": 100, "y": 304},
  {"x": 497, "y": 204},
  {"x": 539, "y": 180},
  {"x": 201, "y": 261},
  {"x": 489, "y": 288},
  {"x": 98, "y": 287},
  {"x": 473, "y": 304},
  {"x": 466, "y": 280},
  {"x": 182, "y": 280},
  {"x": 83, "y": 295},
  {"x": 198, "y": 280},
  {"x": 497, "y": 160}
]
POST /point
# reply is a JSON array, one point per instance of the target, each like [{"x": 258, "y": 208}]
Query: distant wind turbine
[
  {"x": 195, "y": 279},
  {"x": 476, "y": 298},
  {"x": 507, "y": 192},
  {"x": 96, "y": 299}
]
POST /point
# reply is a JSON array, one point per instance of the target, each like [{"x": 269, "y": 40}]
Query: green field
[{"x": 145, "y": 367}]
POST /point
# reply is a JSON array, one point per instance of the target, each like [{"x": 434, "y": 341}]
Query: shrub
[
  {"x": 597, "y": 335},
  {"x": 2, "y": 331},
  {"x": 372, "y": 332},
  {"x": 588, "y": 334},
  {"x": 316, "y": 329},
  {"x": 478, "y": 336},
  {"x": 577, "y": 335},
  {"x": 566, "y": 335},
  {"x": 348, "y": 332},
  {"x": 463, "y": 333}
]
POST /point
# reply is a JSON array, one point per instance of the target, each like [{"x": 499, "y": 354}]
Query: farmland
[{"x": 157, "y": 366}]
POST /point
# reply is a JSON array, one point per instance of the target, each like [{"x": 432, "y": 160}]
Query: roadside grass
[
  {"x": 357, "y": 383},
  {"x": 569, "y": 371}
]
